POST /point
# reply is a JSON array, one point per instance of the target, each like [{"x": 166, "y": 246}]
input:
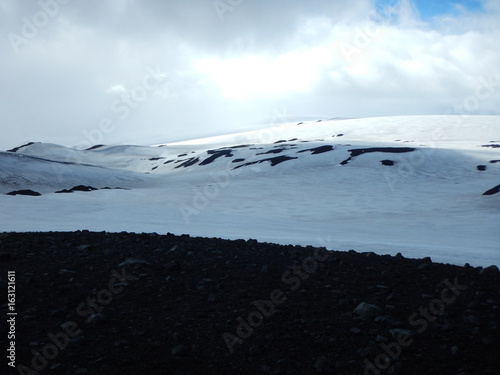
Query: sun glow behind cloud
[{"x": 244, "y": 77}]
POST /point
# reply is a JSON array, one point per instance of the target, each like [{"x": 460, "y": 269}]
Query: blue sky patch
[{"x": 429, "y": 9}]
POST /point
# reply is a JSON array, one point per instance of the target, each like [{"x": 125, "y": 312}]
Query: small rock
[
  {"x": 25, "y": 192},
  {"x": 367, "y": 310},
  {"x": 387, "y": 319},
  {"x": 172, "y": 266},
  {"x": 132, "y": 262},
  {"x": 84, "y": 247},
  {"x": 63, "y": 271},
  {"x": 179, "y": 350},
  {"x": 380, "y": 338},
  {"x": 97, "y": 318},
  {"x": 355, "y": 330},
  {"x": 400, "y": 331}
]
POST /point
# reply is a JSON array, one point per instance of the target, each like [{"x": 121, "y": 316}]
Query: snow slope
[{"x": 411, "y": 184}]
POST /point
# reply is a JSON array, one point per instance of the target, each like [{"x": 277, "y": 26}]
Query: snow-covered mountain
[{"x": 419, "y": 185}]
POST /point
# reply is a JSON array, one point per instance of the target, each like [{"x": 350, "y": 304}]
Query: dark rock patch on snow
[
  {"x": 215, "y": 155},
  {"x": 280, "y": 141},
  {"x": 238, "y": 160},
  {"x": 481, "y": 167},
  {"x": 240, "y": 146},
  {"x": 394, "y": 150},
  {"x": 274, "y": 161},
  {"x": 494, "y": 161},
  {"x": 154, "y": 159},
  {"x": 387, "y": 162},
  {"x": 20, "y": 147},
  {"x": 189, "y": 162},
  {"x": 94, "y": 147},
  {"x": 318, "y": 150},
  {"x": 492, "y": 146},
  {"x": 360, "y": 151},
  {"x": 492, "y": 191},
  {"x": 83, "y": 188},
  {"x": 87, "y": 188},
  {"x": 273, "y": 151},
  {"x": 25, "y": 192}
]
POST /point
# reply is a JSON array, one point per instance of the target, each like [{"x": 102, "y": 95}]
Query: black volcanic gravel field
[{"x": 123, "y": 303}]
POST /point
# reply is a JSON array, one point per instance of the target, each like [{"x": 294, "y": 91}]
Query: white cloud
[{"x": 342, "y": 58}]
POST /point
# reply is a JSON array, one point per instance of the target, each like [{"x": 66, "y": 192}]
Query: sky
[{"x": 85, "y": 72}]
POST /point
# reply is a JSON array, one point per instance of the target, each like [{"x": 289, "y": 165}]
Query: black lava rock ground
[{"x": 181, "y": 298}]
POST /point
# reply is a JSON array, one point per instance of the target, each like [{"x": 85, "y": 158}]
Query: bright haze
[{"x": 78, "y": 72}]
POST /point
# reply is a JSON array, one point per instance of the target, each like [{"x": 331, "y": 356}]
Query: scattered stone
[
  {"x": 179, "y": 350},
  {"x": 387, "y": 319},
  {"x": 25, "y": 192},
  {"x": 367, "y": 310},
  {"x": 84, "y": 247},
  {"x": 63, "y": 271},
  {"x": 380, "y": 338},
  {"x": 387, "y": 162},
  {"x": 132, "y": 262},
  {"x": 172, "y": 266},
  {"x": 400, "y": 331}
]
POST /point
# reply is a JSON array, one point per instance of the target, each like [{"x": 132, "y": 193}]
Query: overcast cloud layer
[{"x": 81, "y": 72}]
